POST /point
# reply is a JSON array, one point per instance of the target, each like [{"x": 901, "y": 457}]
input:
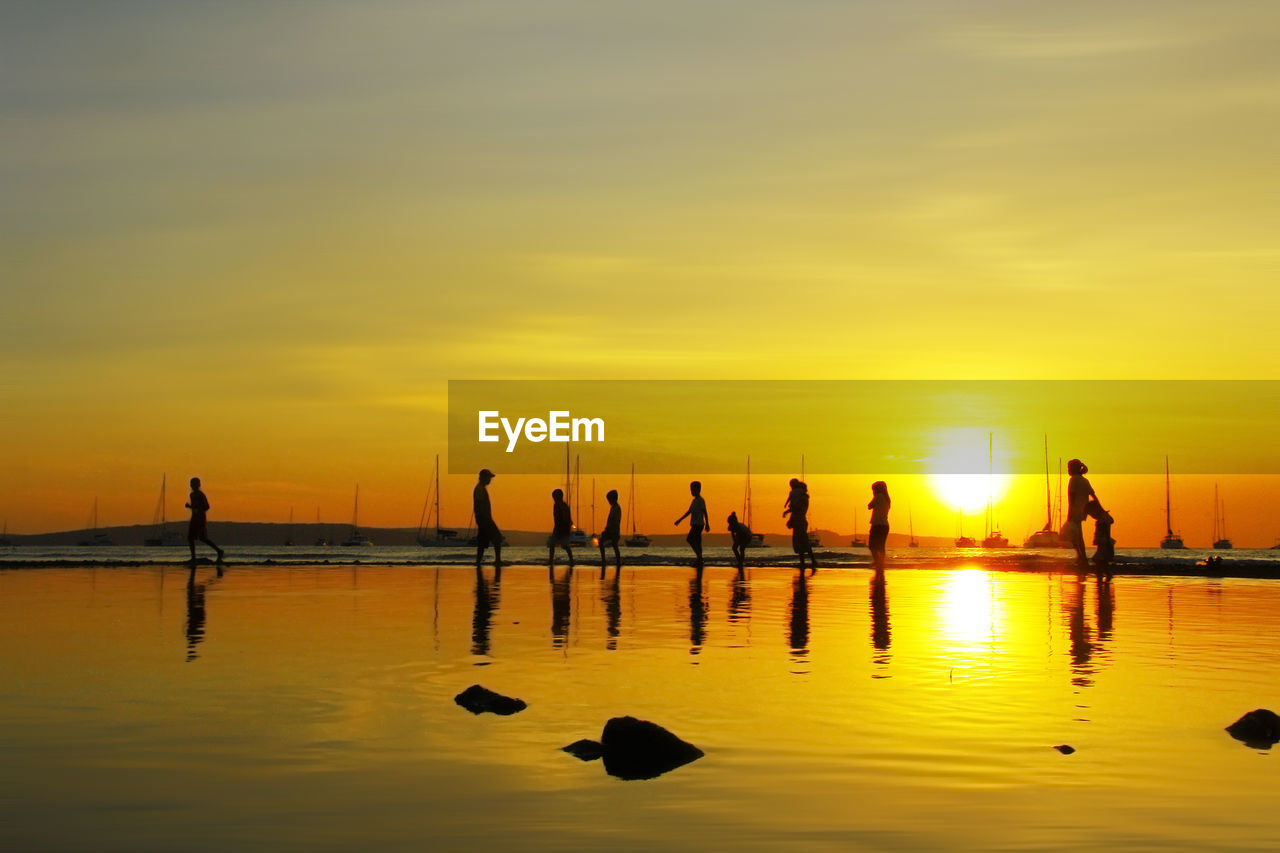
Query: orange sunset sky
[{"x": 253, "y": 242}]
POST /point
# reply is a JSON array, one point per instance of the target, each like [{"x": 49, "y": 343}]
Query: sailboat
[
  {"x": 858, "y": 541},
  {"x": 4, "y": 537},
  {"x": 993, "y": 538},
  {"x": 635, "y": 540},
  {"x": 757, "y": 539},
  {"x": 1049, "y": 536},
  {"x": 961, "y": 540},
  {"x": 442, "y": 536},
  {"x": 289, "y": 536},
  {"x": 163, "y": 536},
  {"x": 1220, "y": 540},
  {"x": 96, "y": 537},
  {"x": 356, "y": 539},
  {"x": 911, "y": 530},
  {"x": 1169, "y": 542},
  {"x": 814, "y": 540}
]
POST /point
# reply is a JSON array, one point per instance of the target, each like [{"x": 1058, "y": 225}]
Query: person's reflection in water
[
  {"x": 487, "y": 598},
  {"x": 1106, "y": 611},
  {"x": 798, "y": 633},
  {"x": 1081, "y": 642},
  {"x": 611, "y": 595},
  {"x": 880, "y": 635},
  {"x": 740, "y": 598},
  {"x": 195, "y": 616},
  {"x": 560, "y": 607},
  {"x": 697, "y": 614}
]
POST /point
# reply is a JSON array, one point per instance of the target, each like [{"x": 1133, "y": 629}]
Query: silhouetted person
[
  {"x": 487, "y": 532},
  {"x": 1079, "y": 490},
  {"x": 561, "y": 528},
  {"x": 879, "y": 506},
  {"x": 797, "y": 506},
  {"x": 198, "y": 529},
  {"x": 612, "y": 532},
  {"x": 1106, "y": 552},
  {"x": 740, "y": 538},
  {"x": 698, "y": 521},
  {"x": 195, "y": 617}
]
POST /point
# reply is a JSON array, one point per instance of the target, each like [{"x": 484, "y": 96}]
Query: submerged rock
[
  {"x": 635, "y": 749},
  {"x": 1259, "y": 729},
  {"x": 639, "y": 749},
  {"x": 1065, "y": 748},
  {"x": 584, "y": 750},
  {"x": 478, "y": 700}
]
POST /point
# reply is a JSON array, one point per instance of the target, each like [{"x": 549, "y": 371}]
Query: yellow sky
[{"x": 254, "y": 243}]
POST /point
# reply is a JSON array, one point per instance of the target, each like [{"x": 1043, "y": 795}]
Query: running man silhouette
[
  {"x": 612, "y": 529},
  {"x": 487, "y": 532},
  {"x": 698, "y": 521},
  {"x": 198, "y": 529}
]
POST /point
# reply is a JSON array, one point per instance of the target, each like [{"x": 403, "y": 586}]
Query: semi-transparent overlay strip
[{"x": 697, "y": 427}]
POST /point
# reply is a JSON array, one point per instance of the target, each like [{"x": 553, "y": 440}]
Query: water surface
[{"x": 312, "y": 707}]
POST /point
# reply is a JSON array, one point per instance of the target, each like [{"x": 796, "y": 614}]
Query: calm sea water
[{"x": 312, "y": 708}]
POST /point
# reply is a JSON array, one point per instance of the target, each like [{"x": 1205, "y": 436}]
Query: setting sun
[
  {"x": 968, "y": 493},
  {"x": 965, "y": 474}
]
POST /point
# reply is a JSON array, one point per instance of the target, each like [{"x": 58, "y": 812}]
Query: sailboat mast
[
  {"x": 631, "y": 500},
  {"x": 746, "y": 508},
  {"x": 355, "y": 511},
  {"x": 568, "y": 479},
  {"x": 1048, "y": 500},
  {"x": 1168, "y": 516},
  {"x": 437, "y": 493},
  {"x": 163, "y": 477},
  {"x": 1215, "y": 512},
  {"x": 1059, "y": 506},
  {"x": 990, "y": 468}
]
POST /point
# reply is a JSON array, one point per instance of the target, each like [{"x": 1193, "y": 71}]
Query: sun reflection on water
[{"x": 970, "y": 614}]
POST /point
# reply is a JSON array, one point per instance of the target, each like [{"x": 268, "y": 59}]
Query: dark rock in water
[
  {"x": 1065, "y": 748},
  {"x": 1259, "y": 729},
  {"x": 478, "y": 700},
  {"x": 638, "y": 749},
  {"x": 585, "y": 750}
]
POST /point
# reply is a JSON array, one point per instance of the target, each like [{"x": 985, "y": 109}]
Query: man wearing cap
[{"x": 487, "y": 532}]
